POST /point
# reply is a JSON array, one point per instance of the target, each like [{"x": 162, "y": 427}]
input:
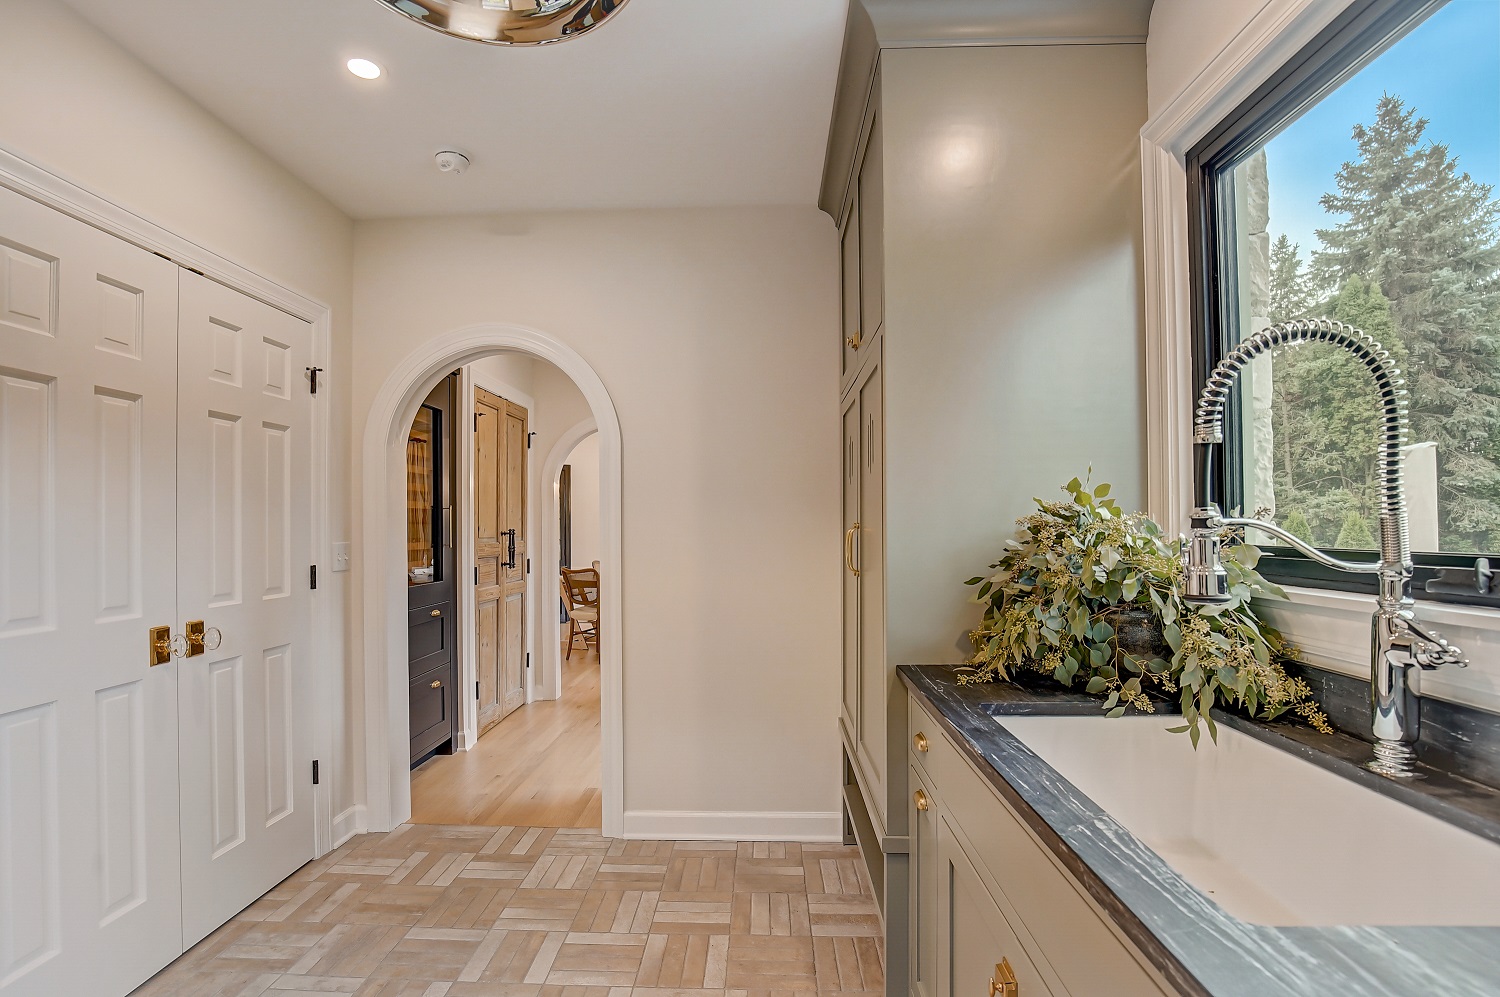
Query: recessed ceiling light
[{"x": 363, "y": 68}]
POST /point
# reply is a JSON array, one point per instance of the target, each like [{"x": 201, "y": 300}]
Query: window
[{"x": 1359, "y": 184}]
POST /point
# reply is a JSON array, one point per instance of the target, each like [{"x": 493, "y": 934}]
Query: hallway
[
  {"x": 538, "y": 767},
  {"x": 428, "y": 911}
]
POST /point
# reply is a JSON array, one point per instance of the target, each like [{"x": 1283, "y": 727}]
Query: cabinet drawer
[
  {"x": 1069, "y": 935},
  {"x": 978, "y": 937}
]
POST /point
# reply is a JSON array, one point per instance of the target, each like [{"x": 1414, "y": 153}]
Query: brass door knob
[
  {"x": 920, "y": 798},
  {"x": 438, "y": 684},
  {"x": 1003, "y": 983},
  {"x": 919, "y": 740}
]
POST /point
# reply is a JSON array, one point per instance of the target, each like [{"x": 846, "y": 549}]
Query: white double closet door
[{"x": 154, "y": 470}]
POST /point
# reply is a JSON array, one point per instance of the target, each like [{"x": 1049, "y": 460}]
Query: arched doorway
[{"x": 388, "y": 787}]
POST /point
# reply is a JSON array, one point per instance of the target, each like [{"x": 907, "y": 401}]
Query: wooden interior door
[
  {"x": 89, "y": 875},
  {"x": 500, "y": 438},
  {"x": 243, "y": 554}
]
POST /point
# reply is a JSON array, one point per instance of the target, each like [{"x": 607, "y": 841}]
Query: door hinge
[
  {"x": 315, "y": 771},
  {"x": 476, "y": 690},
  {"x": 528, "y": 565},
  {"x": 312, "y": 576},
  {"x": 528, "y": 440},
  {"x": 476, "y": 574},
  {"x": 528, "y": 659},
  {"x": 477, "y": 416},
  {"x": 312, "y": 377}
]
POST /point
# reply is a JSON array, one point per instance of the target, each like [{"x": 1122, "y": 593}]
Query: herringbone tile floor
[{"x": 432, "y": 911}]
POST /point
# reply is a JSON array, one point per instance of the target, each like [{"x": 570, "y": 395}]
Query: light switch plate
[{"x": 341, "y": 557}]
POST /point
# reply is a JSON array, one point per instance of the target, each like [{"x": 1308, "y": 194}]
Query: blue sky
[{"x": 1448, "y": 68}]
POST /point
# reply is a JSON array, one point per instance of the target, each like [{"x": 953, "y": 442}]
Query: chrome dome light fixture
[{"x": 508, "y": 22}]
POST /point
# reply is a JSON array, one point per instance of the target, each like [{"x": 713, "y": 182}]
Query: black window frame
[{"x": 1357, "y": 37}]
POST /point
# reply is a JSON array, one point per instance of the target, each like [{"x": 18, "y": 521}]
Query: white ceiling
[{"x": 671, "y": 103}]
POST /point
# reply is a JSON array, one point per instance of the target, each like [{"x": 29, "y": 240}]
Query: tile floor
[{"x": 434, "y": 911}]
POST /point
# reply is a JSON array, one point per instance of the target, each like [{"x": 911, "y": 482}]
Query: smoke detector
[{"x": 451, "y": 162}]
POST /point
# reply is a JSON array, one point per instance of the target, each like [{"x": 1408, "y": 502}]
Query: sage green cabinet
[{"x": 985, "y": 893}]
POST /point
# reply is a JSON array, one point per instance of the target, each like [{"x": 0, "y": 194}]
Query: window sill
[{"x": 1333, "y": 630}]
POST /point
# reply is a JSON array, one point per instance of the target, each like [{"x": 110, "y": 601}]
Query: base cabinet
[{"x": 988, "y": 904}]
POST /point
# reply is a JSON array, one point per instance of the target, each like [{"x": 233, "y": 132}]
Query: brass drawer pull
[
  {"x": 849, "y": 549},
  {"x": 438, "y": 684},
  {"x": 920, "y": 798},
  {"x": 920, "y": 741},
  {"x": 1004, "y": 984}
]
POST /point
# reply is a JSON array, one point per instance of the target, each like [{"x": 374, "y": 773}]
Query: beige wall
[
  {"x": 713, "y": 331},
  {"x": 82, "y": 108},
  {"x": 585, "y": 482},
  {"x": 1013, "y": 324},
  {"x": 1184, "y": 37}
]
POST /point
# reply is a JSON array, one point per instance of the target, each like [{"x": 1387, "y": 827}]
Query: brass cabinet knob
[
  {"x": 920, "y": 798},
  {"x": 1003, "y": 983},
  {"x": 919, "y": 740},
  {"x": 438, "y": 684},
  {"x": 437, "y": 612}
]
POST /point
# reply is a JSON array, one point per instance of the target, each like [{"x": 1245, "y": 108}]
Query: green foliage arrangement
[{"x": 1076, "y": 564}]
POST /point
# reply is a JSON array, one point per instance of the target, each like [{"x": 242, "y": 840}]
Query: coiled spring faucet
[{"x": 1400, "y": 647}]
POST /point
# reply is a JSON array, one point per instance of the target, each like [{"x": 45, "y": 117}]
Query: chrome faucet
[{"x": 1400, "y": 647}]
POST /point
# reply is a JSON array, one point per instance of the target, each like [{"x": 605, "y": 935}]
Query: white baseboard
[
  {"x": 347, "y": 824},
  {"x": 720, "y": 825}
]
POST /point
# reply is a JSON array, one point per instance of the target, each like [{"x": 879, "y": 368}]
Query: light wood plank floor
[
  {"x": 428, "y": 911},
  {"x": 539, "y": 767}
]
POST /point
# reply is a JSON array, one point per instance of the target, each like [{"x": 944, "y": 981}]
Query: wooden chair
[
  {"x": 583, "y": 618},
  {"x": 585, "y": 585}
]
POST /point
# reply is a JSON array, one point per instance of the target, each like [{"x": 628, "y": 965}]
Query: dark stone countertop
[{"x": 1197, "y": 946}]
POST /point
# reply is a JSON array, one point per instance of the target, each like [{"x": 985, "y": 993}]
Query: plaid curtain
[{"x": 418, "y": 505}]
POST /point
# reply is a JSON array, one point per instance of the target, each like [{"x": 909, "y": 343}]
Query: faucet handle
[{"x": 1431, "y": 650}]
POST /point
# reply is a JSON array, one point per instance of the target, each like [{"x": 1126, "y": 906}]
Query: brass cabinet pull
[
  {"x": 920, "y": 798},
  {"x": 437, "y": 612},
  {"x": 853, "y": 341},
  {"x": 1003, "y": 983},
  {"x": 849, "y": 549},
  {"x": 438, "y": 684},
  {"x": 919, "y": 740}
]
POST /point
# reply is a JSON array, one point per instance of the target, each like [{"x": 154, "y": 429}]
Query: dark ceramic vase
[{"x": 1138, "y": 632}]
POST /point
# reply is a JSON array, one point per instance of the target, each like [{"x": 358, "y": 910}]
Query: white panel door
[
  {"x": 244, "y": 501},
  {"x": 89, "y": 875}
]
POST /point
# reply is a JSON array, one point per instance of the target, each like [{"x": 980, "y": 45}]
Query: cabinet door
[
  {"x": 851, "y": 458},
  {"x": 922, "y": 943},
  {"x": 974, "y": 937},
  {"x": 871, "y": 208},
  {"x": 876, "y": 681},
  {"x": 849, "y": 259}
]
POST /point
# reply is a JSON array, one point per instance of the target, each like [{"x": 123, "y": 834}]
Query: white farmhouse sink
[{"x": 1269, "y": 837}]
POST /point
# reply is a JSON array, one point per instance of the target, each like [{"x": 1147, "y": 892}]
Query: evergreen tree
[
  {"x": 1429, "y": 236},
  {"x": 1356, "y": 534},
  {"x": 1290, "y": 292},
  {"x": 1296, "y": 525}
]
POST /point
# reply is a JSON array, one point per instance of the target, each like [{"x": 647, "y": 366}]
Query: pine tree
[
  {"x": 1429, "y": 236},
  {"x": 1356, "y": 534},
  {"x": 1296, "y": 525},
  {"x": 1291, "y": 295}
]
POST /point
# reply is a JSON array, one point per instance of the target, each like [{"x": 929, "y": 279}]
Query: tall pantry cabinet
[{"x": 873, "y": 764}]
